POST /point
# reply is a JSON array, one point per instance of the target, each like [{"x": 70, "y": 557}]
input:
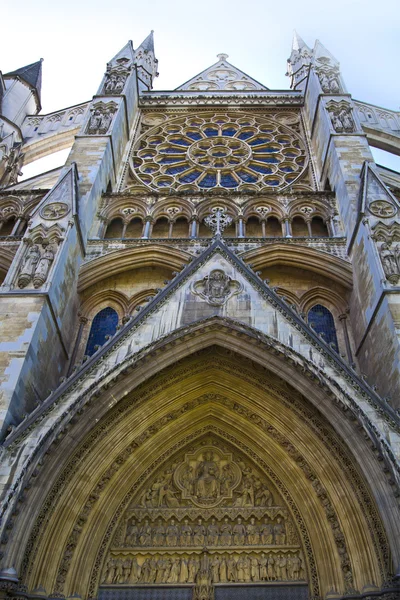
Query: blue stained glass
[
  {"x": 171, "y": 151},
  {"x": 163, "y": 183},
  {"x": 189, "y": 177},
  {"x": 169, "y": 160},
  {"x": 180, "y": 141},
  {"x": 290, "y": 154},
  {"x": 219, "y": 154},
  {"x": 322, "y": 321},
  {"x": 260, "y": 169},
  {"x": 194, "y": 135},
  {"x": 228, "y": 181},
  {"x": 267, "y": 159},
  {"x": 272, "y": 182},
  {"x": 247, "y": 177},
  {"x": 105, "y": 323},
  {"x": 209, "y": 132},
  {"x": 259, "y": 141},
  {"x": 287, "y": 169},
  {"x": 229, "y": 131},
  {"x": 245, "y": 135},
  {"x": 265, "y": 150},
  {"x": 208, "y": 181},
  {"x": 177, "y": 169}
]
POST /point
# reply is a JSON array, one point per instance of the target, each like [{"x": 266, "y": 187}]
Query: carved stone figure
[
  {"x": 184, "y": 572},
  {"x": 267, "y": 533},
  {"x": 239, "y": 533},
  {"x": 271, "y": 576},
  {"x": 159, "y": 534},
  {"x": 212, "y": 533},
  {"x": 241, "y": 568},
  {"x": 119, "y": 572},
  {"x": 145, "y": 571},
  {"x": 341, "y": 118},
  {"x": 296, "y": 567},
  {"x": 145, "y": 534},
  {"x": 199, "y": 536},
  {"x": 109, "y": 572},
  {"x": 282, "y": 567},
  {"x": 193, "y": 567},
  {"x": 389, "y": 263},
  {"x": 262, "y": 495},
  {"x": 172, "y": 534},
  {"x": 174, "y": 572},
  {"x": 43, "y": 267},
  {"x": 152, "y": 574},
  {"x": 253, "y": 536},
  {"x": 135, "y": 571},
  {"x": 223, "y": 570},
  {"x": 226, "y": 533},
  {"x": 255, "y": 569},
  {"x": 215, "y": 566},
  {"x": 207, "y": 478},
  {"x": 263, "y": 561},
  {"x": 231, "y": 571},
  {"x": 279, "y": 532},
  {"x": 29, "y": 266},
  {"x": 100, "y": 119},
  {"x": 246, "y": 497},
  {"x": 132, "y": 533},
  {"x": 186, "y": 534}
]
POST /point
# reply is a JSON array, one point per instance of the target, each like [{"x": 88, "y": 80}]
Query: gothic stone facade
[{"x": 199, "y": 352}]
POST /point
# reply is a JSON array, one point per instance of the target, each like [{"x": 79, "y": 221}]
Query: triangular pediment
[{"x": 222, "y": 76}]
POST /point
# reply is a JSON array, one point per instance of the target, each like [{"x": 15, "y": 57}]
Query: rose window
[{"x": 227, "y": 151}]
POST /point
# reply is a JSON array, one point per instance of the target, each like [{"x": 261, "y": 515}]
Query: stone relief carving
[
  {"x": 101, "y": 118},
  {"x": 383, "y": 209},
  {"x": 116, "y": 76},
  {"x": 328, "y": 75},
  {"x": 216, "y": 288},
  {"x": 390, "y": 258},
  {"x": 13, "y": 159},
  {"x": 341, "y": 118},
  {"x": 35, "y": 266},
  {"x": 54, "y": 210}
]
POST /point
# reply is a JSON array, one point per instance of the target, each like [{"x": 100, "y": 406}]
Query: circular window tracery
[{"x": 224, "y": 150}]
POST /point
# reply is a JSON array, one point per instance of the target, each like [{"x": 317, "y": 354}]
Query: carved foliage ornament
[
  {"x": 216, "y": 288},
  {"x": 381, "y": 208}
]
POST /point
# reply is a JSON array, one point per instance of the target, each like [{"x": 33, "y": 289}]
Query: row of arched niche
[{"x": 181, "y": 228}]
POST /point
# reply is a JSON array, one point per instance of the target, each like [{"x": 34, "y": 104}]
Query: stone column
[{"x": 82, "y": 323}]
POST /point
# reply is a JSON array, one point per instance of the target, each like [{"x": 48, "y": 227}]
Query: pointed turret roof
[
  {"x": 222, "y": 75},
  {"x": 298, "y": 42},
  {"x": 31, "y": 74},
  {"x": 148, "y": 43}
]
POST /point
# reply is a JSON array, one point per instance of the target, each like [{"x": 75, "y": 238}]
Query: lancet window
[
  {"x": 322, "y": 322},
  {"x": 104, "y": 324}
]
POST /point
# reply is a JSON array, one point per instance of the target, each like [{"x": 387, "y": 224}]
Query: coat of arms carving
[{"x": 217, "y": 287}]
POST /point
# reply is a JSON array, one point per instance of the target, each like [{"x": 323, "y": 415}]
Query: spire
[
  {"x": 148, "y": 43},
  {"x": 298, "y": 42},
  {"x": 31, "y": 74},
  {"x": 322, "y": 54},
  {"x": 126, "y": 52}
]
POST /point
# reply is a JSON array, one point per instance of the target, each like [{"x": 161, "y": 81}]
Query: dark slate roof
[{"x": 32, "y": 74}]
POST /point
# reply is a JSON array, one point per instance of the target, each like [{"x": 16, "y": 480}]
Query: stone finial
[{"x": 222, "y": 56}]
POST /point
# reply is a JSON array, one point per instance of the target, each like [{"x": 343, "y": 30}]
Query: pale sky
[{"x": 78, "y": 37}]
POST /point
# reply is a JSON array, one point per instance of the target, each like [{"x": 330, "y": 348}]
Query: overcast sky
[{"x": 76, "y": 39}]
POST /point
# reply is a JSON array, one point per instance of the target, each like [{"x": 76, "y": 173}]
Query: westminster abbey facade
[{"x": 199, "y": 338}]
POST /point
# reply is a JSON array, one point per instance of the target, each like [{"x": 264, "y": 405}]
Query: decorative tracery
[{"x": 229, "y": 151}]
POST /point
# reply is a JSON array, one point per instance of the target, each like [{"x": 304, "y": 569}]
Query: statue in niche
[
  {"x": 119, "y": 576},
  {"x": 341, "y": 119},
  {"x": 135, "y": 571},
  {"x": 145, "y": 571},
  {"x": 267, "y": 533},
  {"x": 255, "y": 569},
  {"x": 227, "y": 478},
  {"x": 187, "y": 480},
  {"x": 239, "y": 533},
  {"x": 186, "y": 534},
  {"x": 199, "y": 534},
  {"x": 263, "y": 567},
  {"x": 126, "y": 570},
  {"x": 231, "y": 571},
  {"x": 159, "y": 534},
  {"x": 207, "y": 478},
  {"x": 172, "y": 534},
  {"x": 152, "y": 569},
  {"x": 100, "y": 119},
  {"x": 279, "y": 532},
  {"x": 215, "y": 566},
  {"x": 253, "y": 536},
  {"x": 29, "y": 266},
  {"x": 145, "y": 534},
  {"x": 271, "y": 568},
  {"x": 109, "y": 572},
  {"x": 174, "y": 572},
  {"x": 226, "y": 533},
  {"x": 212, "y": 533},
  {"x": 132, "y": 533},
  {"x": 193, "y": 568},
  {"x": 281, "y": 569},
  {"x": 184, "y": 572},
  {"x": 241, "y": 569},
  {"x": 223, "y": 578},
  {"x": 246, "y": 497},
  {"x": 390, "y": 263},
  {"x": 43, "y": 267}
]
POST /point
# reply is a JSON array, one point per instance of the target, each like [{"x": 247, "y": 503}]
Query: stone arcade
[{"x": 199, "y": 351}]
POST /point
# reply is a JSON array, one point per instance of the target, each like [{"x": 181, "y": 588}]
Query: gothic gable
[{"x": 221, "y": 76}]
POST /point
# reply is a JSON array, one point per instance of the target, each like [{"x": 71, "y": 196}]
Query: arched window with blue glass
[
  {"x": 103, "y": 325},
  {"x": 322, "y": 321}
]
